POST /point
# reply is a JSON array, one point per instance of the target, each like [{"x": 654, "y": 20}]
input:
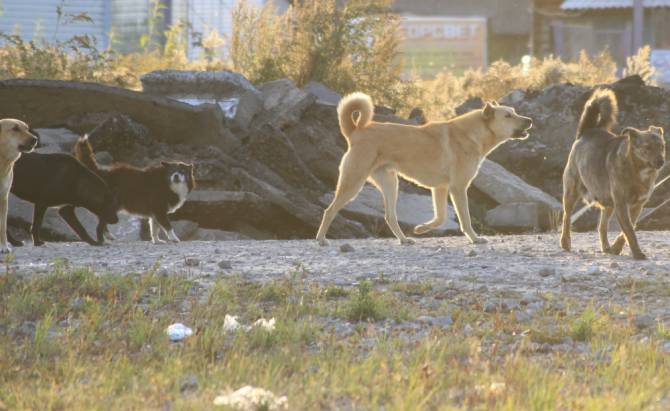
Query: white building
[{"x": 125, "y": 21}]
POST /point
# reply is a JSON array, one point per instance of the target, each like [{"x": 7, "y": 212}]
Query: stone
[
  {"x": 192, "y": 262},
  {"x": 547, "y": 272},
  {"x": 470, "y": 253},
  {"x": 322, "y": 93},
  {"x": 643, "y": 321},
  {"x": 519, "y": 216},
  {"x": 346, "y": 248},
  {"x": 210, "y": 234},
  {"x": 413, "y": 209},
  {"x": 445, "y": 322},
  {"x": 188, "y": 383},
  {"x": 505, "y": 188},
  {"x": 184, "y": 228},
  {"x": 225, "y": 265},
  {"x": 238, "y": 99},
  {"x": 284, "y": 103}
]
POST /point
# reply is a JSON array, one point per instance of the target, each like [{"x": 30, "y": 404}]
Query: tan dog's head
[
  {"x": 15, "y": 138},
  {"x": 504, "y": 122},
  {"x": 648, "y": 146}
]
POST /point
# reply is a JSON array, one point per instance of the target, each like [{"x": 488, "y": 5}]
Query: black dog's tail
[
  {"x": 83, "y": 151},
  {"x": 600, "y": 111}
]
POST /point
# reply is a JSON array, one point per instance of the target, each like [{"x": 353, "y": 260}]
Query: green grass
[{"x": 72, "y": 340}]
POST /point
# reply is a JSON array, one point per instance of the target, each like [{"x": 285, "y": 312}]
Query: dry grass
[{"x": 73, "y": 340}]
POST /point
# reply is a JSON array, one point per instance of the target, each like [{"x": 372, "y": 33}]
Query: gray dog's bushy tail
[
  {"x": 354, "y": 102},
  {"x": 600, "y": 111},
  {"x": 84, "y": 153}
]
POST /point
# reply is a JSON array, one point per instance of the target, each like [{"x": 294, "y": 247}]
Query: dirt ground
[{"x": 521, "y": 266}]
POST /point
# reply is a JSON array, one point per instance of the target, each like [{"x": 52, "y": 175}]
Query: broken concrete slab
[
  {"x": 412, "y": 209},
  {"x": 505, "y": 188},
  {"x": 284, "y": 103},
  {"x": 323, "y": 94},
  {"x": 522, "y": 216}
]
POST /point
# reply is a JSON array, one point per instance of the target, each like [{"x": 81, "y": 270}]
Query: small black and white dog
[{"x": 152, "y": 192}]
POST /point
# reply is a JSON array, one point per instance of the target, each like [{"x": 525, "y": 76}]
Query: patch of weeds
[
  {"x": 365, "y": 305},
  {"x": 334, "y": 293},
  {"x": 583, "y": 327},
  {"x": 413, "y": 289},
  {"x": 44, "y": 345},
  {"x": 547, "y": 335}
]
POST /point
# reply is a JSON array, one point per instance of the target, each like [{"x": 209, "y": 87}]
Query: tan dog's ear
[
  {"x": 656, "y": 130},
  {"x": 488, "y": 112}
]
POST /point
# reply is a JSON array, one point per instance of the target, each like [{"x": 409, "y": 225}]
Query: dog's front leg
[
  {"x": 38, "y": 216},
  {"x": 4, "y": 208},
  {"x": 153, "y": 231},
  {"x": 603, "y": 224},
  {"x": 620, "y": 241},
  {"x": 165, "y": 224},
  {"x": 459, "y": 197},
  {"x": 624, "y": 218}
]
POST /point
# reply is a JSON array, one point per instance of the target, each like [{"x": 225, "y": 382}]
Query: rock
[
  {"x": 122, "y": 137},
  {"x": 547, "y": 272},
  {"x": 520, "y": 216},
  {"x": 236, "y": 97},
  {"x": 346, "y": 248},
  {"x": 445, "y": 322},
  {"x": 470, "y": 253},
  {"x": 210, "y": 234},
  {"x": 284, "y": 103},
  {"x": 504, "y": 187},
  {"x": 188, "y": 383},
  {"x": 322, "y": 93},
  {"x": 413, "y": 209},
  {"x": 56, "y": 140},
  {"x": 192, "y": 262},
  {"x": 473, "y": 103},
  {"x": 643, "y": 321},
  {"x": 225, "y": 265},
  {"x": 184, "y": 228},
  {"x": 522, "y": 316},
  {"x": 418, "y": 116}
]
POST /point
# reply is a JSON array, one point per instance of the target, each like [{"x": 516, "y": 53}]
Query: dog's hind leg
[
  {"x": 459, "y": 197},
  {"x": 38, "y": 215},
  {"x": 68, "y": 214},
  {"x": 354, "y": 170},
  {"x": 153, "y": 231},
  {"x": 620, "y": 241},
  {"x": 603, "y": 224},
  {"x": 387, "y": 182},
  {"x": 570, "y": 196},
  {"x": 440, "y": 201},
  {"x": 13, "y": 241},
  {"x": 624, "y": 217}
]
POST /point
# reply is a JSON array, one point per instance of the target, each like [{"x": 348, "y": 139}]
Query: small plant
[
  {"x": 583, "y": 326},
  {"x": 640, "y": 64},
  {"x": 365, "y": 305}
]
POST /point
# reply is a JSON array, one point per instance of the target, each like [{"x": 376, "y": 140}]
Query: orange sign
[{"x": 430, "y": 45}]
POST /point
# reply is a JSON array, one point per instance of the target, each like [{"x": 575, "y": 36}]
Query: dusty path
[{"x": 510, "y": 263}]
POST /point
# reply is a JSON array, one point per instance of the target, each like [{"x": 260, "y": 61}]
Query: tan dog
[
  {"x": 442, "y": 156},
  {"x": 15, "y": 138}
]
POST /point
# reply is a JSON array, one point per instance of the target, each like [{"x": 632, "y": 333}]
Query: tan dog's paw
[
  {"x": 566, "y": 244},
  {"x": 407, "y": 241},
  {"x": 322, "y": 242},
  {"x": 478, "y": 240},
  {"x": 422, "y": 229}
]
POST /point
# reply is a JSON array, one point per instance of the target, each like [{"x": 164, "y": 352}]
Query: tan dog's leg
[
  {"x": 624, "y": 217},
  {"x": 440, "y": 201},
  {"x": 4, "y": 206},
  {"x": 620, "y": 241},
  {"x": 603, "y": 224},
  {"x": 387, "y": 182},
  {"x": 459, "y": 197},
  {"x": 354, "y": 170}
]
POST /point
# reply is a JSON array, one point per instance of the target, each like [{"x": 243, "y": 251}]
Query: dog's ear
[
  {"x": 630, "y": 135},
  {"x": 488, "y": 112},
  {"x": 165, "y": 163},
  {"x": 494, "y": 103},
  {"x": 656, "y": 130}
]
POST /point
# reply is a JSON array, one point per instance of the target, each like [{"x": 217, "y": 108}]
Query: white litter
[
  {"x": 231, "y": 324},
  {"x": 178, "y": 332},
  {"x": 250, "y": 398}
]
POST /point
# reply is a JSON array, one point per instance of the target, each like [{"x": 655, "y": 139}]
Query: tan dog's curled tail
[
  {"x": 354, "y": 102},
  {"x": 84, "y": 153},
  {"x": 600, "y": 111}
]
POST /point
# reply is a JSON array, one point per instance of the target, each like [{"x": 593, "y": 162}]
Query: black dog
[{"x": 60, "y": 180}]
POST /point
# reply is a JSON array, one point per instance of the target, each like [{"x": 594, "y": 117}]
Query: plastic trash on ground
[
  {"x": 250, "y": 398},
  {"x": 178, "y": 332}
]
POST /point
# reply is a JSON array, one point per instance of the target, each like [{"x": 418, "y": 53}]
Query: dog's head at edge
[
  {"x": 16, "y": 137},
  {"x": 648, "y": 146}
]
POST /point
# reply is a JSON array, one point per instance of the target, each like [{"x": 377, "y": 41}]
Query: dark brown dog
[
  {"x": 614, "y": 173},
  {"x": 152, "y": 192}
]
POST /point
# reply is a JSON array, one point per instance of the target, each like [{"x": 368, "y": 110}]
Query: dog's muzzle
[
  {"x": 659, "y": 163},
  {"x": 177, "y": 178},
  {"x": 28, "y": 147},
  {"x": 522, "y": 132}
]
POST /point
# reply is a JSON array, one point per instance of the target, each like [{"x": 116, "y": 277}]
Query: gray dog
[{"x": 614, "y": 173}]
